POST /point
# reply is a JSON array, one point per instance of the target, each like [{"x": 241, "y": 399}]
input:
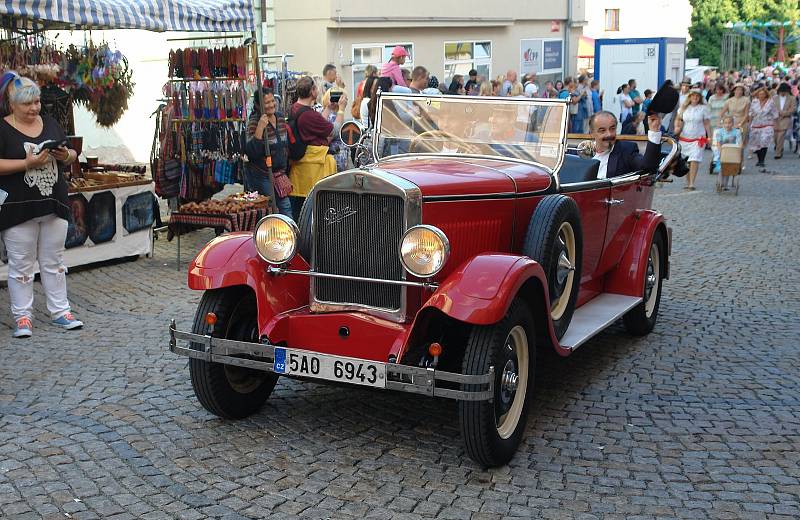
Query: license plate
[{"x": 333, "y": 368}]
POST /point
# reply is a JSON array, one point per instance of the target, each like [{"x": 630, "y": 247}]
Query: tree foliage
[{"x": 710, "y": 16}]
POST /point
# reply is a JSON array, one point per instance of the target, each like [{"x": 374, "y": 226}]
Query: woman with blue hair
[{"x": 33, "y": 202}]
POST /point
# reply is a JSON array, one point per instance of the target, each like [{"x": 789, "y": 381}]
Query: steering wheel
[{"x": 417, "y": 141}]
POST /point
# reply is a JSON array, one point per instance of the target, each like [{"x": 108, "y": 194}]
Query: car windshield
[{"x": 531, "y": 130}]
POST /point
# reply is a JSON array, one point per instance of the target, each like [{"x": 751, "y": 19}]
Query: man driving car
[{"x": 620, "y": 158}]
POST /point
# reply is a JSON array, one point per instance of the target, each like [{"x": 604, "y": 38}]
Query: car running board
[{"x": 596, "y": 315}]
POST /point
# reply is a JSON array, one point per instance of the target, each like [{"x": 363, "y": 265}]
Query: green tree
[
  {"x": 708, "y": 20},
  {"x": 710, "y": 16}
]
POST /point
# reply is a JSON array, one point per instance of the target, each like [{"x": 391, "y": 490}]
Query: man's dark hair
[
  {"x": 647, "y": 92},
  {"x": 602, "y": 112},
  {"x": 473, "y": 72},
  {"x": 304, "y": 87},
  {"x": 419, "y": 72},
  {"x": 631, "y": 82},
  {"x": 328, "y": 68}
]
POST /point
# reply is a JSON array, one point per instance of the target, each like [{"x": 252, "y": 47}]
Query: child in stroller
[{"x": 725, "y": 135}]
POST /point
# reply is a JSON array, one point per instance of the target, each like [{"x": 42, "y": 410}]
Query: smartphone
[
  {"x": 336, "y": 95},
  {"x": 51, "y": 144}
]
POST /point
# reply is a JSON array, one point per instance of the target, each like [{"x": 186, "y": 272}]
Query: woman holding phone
[{"x": 33, "y": 216}]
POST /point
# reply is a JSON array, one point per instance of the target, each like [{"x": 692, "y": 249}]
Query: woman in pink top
[{"x": 391, "y": 69}]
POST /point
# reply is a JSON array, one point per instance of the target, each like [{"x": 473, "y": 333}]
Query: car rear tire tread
[{"x": 636, "y": 320}]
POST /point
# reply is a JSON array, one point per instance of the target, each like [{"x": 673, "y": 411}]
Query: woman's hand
[
  {"x": 33, "y": 161},
  {"x": 63, "y": 154},
  {"x": 261, "y": 126}
]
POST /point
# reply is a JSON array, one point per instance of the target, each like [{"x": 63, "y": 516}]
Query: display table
[
  {"x": 180, "y": 223},
  {"x": 107, "y": 223}
]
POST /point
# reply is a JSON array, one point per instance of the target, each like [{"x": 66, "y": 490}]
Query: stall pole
[{"x": 260, "y": 96}]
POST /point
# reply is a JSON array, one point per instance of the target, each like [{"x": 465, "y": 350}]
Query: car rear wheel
[
  {"x": 493, "y": 430},
  {"x": 641, "y": 319},
  {"x": 228, "y": 391},
  {"x": 555, "y": 241}
]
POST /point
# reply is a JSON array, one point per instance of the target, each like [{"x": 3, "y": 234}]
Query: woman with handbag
[
  {"x": 270, "y": 156},
  {"x": 33, "y": 202}
]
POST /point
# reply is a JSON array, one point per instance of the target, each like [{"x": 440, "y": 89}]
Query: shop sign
[
  {"x": 552, "y": 55},
  {"x": 530, "y": 56}
]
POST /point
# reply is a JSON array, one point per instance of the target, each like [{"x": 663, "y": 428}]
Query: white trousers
[{"x": 41, "y": 239}]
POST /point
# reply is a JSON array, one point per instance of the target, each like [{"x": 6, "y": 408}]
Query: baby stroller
[{"x": 730, "y": 158}]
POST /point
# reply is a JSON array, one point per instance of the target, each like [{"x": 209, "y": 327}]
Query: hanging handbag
[{"x": 283, "y": 186}]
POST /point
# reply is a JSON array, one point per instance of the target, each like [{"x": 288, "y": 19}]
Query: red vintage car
[{"x": 472, "y": 243}]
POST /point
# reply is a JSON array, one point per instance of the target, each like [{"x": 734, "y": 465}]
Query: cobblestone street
[{"x": 700, "y": 419}]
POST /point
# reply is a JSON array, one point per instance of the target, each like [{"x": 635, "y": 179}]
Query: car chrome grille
[{"x": 358, "y": 235}]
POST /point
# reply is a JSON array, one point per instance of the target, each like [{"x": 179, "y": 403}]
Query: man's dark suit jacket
[{"x": 625, "y": 158}]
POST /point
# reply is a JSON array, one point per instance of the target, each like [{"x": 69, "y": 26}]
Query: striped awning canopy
[{"x": 153, "y": 15}]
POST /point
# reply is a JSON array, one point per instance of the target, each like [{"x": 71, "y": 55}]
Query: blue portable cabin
[{"x": 650, "y": 61}]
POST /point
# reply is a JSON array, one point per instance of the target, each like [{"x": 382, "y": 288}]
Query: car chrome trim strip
[
  {"x": 585, "y": 186},
  {"x": 282, "y": 270},
  {"x": 403, "y": 378}
]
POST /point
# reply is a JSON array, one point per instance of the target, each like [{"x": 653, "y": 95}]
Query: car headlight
[
  {"x": 424, "y": 250},
  {"x": 276, "y": 238}
]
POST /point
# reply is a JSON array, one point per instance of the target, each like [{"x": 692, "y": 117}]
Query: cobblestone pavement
[{"x": 701, "y": 419}]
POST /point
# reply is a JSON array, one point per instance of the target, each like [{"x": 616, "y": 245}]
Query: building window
[
  {"x": 461, "y": 57},
  {"x": 612, "y": 19},
  {"x": 376, "y": 54}
]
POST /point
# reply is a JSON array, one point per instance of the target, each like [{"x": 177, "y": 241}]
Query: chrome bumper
[{"x": 415, "y": 380}]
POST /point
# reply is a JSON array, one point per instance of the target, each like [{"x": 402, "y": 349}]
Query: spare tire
[
  {"x": 555, "y": 241},
  {"x": 304, "y": 225}
]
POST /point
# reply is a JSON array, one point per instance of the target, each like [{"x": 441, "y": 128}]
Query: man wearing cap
[{"x": 391, "y": 69}]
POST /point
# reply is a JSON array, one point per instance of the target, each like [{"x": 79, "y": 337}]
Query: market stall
[{"x": 113, "y": 205}]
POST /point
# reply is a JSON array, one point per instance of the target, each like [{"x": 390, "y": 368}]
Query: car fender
[
  {"x": 231, "y": 260},
  {"x": 628, "y": 277},
  {"x": 480, "y": 292}
]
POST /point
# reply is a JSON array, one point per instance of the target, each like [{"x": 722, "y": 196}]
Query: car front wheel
[
  {"x": 492, "y": 430},
  {"x": 641, "y": 319},
  {"x": 228, "y": 391}
]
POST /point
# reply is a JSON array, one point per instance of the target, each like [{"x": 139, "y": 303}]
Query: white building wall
[{"x": 638, "y": 18}]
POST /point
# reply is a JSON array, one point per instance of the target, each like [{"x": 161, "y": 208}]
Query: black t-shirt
[{"x": 32, "y": 193}]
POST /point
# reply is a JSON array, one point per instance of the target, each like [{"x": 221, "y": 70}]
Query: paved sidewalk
[{"x": 701, "y": 419}]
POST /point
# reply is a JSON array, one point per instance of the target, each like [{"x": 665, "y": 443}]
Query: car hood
[{"x": 466, "y": 176}]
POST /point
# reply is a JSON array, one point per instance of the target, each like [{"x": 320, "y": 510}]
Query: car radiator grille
[{"x": 358, "y": 235}]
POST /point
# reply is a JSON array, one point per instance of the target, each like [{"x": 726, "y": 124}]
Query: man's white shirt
[{"x": 602, "y": 172}]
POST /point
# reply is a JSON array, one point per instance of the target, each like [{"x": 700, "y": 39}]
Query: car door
[
  {"x": 591, "y": 198},
  {"x": 627, "y": 197}
]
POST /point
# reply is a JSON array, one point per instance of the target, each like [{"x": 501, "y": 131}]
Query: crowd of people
[{"x": 753, "y": 108}]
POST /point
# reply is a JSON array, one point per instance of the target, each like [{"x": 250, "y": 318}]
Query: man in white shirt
[
  {"x": 620, "y": 158},
  {"x": 531, "y": 88}
]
